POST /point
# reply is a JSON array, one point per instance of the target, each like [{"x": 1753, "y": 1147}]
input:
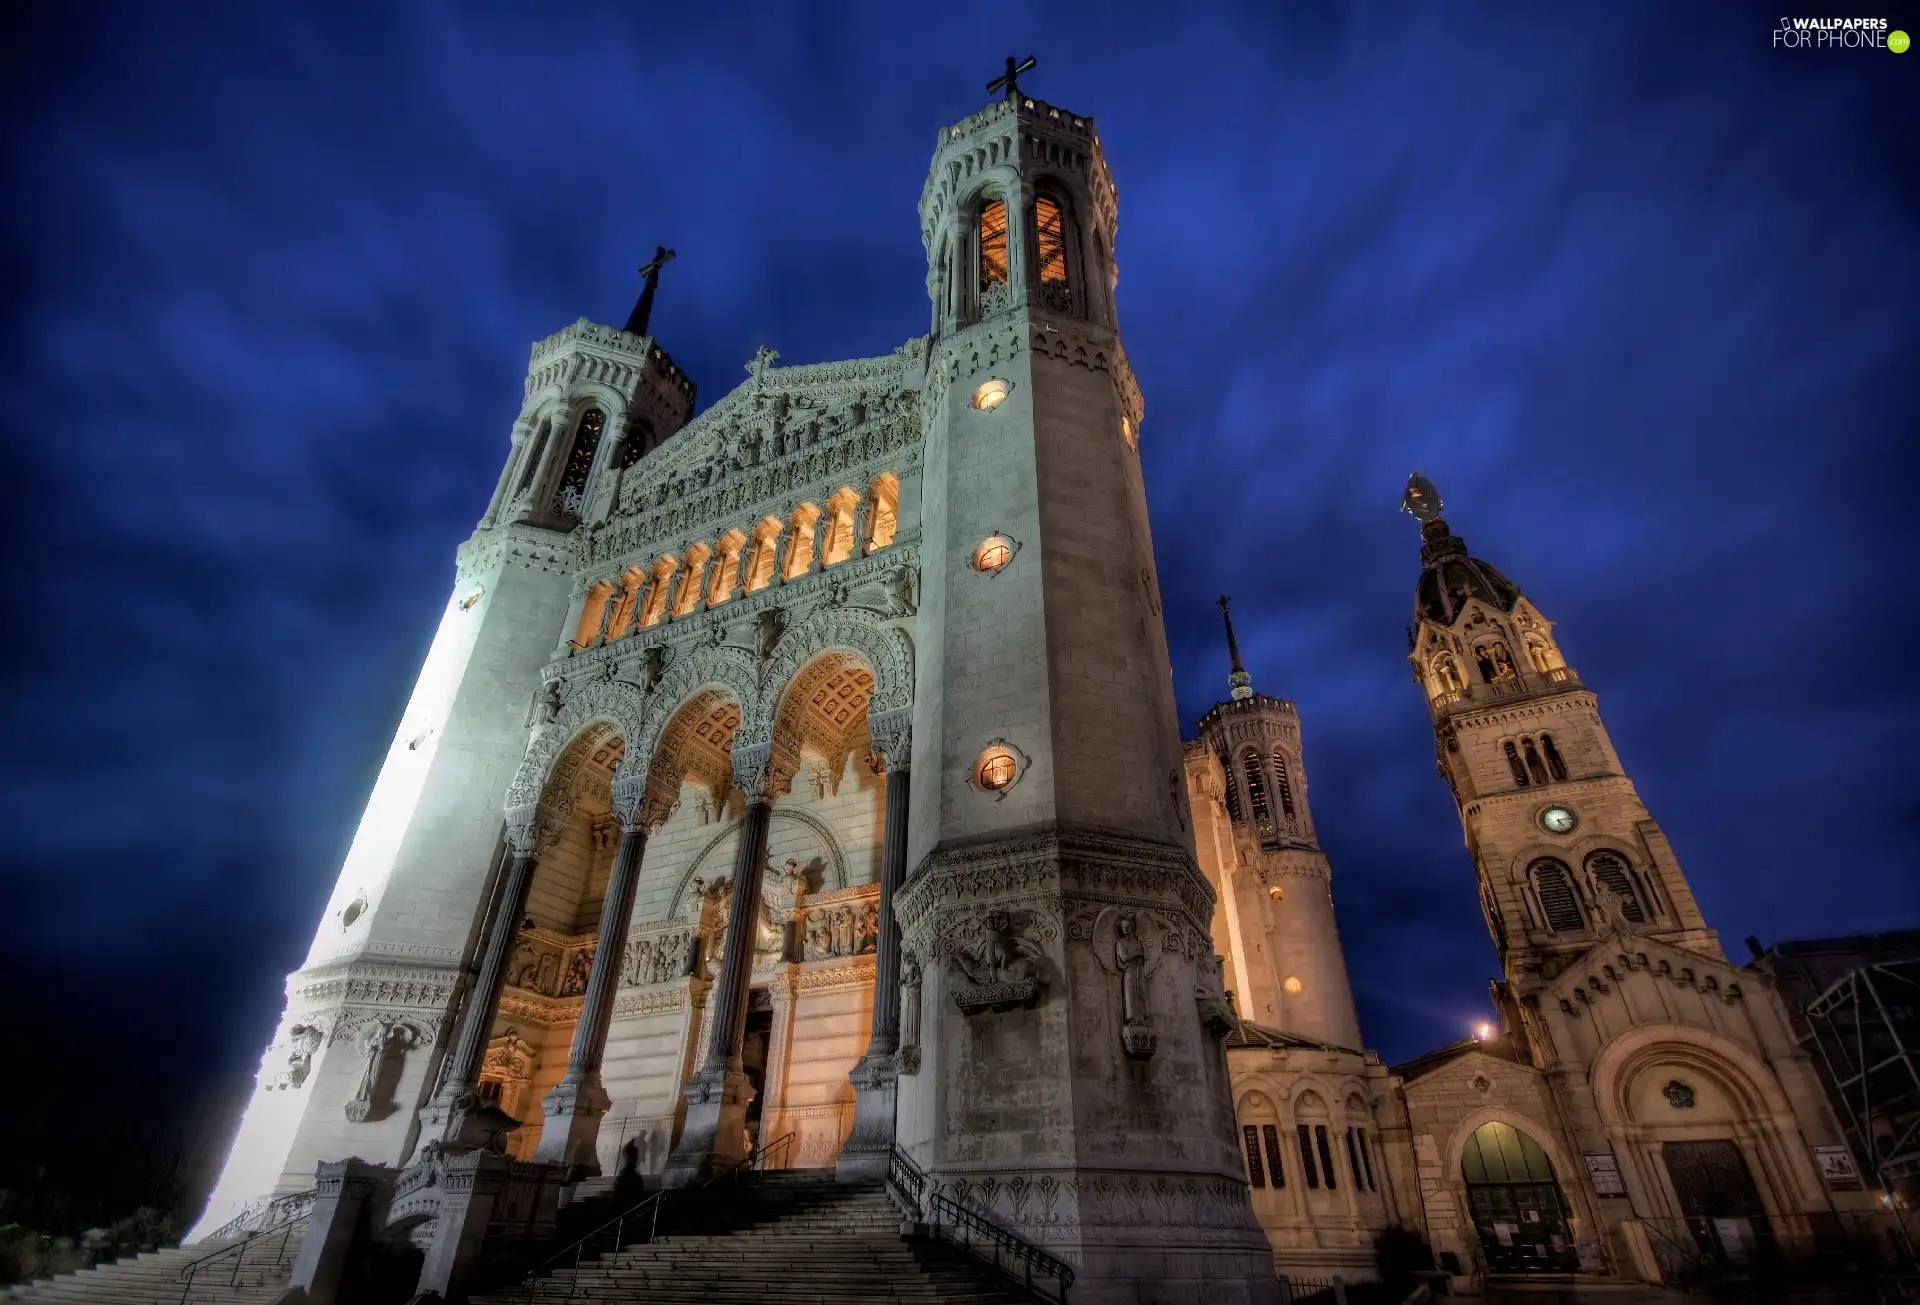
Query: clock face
[{"x": 1557, "y": 820}]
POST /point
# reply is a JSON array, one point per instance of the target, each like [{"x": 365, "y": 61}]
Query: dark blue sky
[{"x": 1638, "y": 291}]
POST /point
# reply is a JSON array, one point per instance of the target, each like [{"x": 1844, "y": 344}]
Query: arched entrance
[{"x": 1518, "y": 1208}]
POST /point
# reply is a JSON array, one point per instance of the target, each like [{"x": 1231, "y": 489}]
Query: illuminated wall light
[{"x": 991, "y": 394}]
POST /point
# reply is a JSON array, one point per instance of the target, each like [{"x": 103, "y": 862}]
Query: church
[{"x": 798, "y": 784}]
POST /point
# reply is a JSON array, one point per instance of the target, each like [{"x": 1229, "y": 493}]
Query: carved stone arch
[
  {"x": 704, "y": 667},
  {"x": 836, "y": 857},
  {"x": 1538, "y": 1130},
  {"x": 1746, "y": 1078},
  {"x": 1317, "y": 1085},
  {"x": 1258, "y": 1098},
  {"x": 617, "y": 705},
  {"x": 887, "y": 652}
]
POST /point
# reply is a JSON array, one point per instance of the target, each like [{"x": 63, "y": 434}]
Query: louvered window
[
  {"x": 1256, "y": 790},
  {"x": 1050, "y": 241},
  {"x": 993, "y": 247},
  {"x": 1306, "y": 1157},
  {"x": 1326, "y": 1155},
  {"x": 1275, "y": 1169},
  {"x": 1554, "y": 882},
  {"x": 1285, "y": 781},
  {"x": 532, "y": 464},
  {"x": 1251, "y": 1134}
]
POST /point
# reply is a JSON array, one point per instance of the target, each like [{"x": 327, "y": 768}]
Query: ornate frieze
[
  {"x": 374, "y": 983},
  {"x": 551, "y": 964}
]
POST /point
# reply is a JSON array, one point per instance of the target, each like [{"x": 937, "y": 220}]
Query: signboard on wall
[
  {"x": 1604, "y": 1171},
  {"x": 1836, "y": 1167}
]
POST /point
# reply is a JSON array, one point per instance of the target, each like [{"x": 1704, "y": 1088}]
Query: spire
[
  {"x": 643, "y": 310},
  {"x": 1240, "y": 684},
  {"x": 1422, "y": 502}
]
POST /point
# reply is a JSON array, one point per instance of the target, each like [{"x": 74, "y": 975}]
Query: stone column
[
  {"x": 577, "y": 1103},
  {"x": 457, "y": 1118},
  {"x": 870, "y": 1141},
  {"x": 714, "y": 1135}
]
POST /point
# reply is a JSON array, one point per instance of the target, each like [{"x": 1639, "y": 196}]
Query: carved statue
[
  {"x": 909, "y": 1055},
  {"x": 794, "y": 876},
  {"x": 526, "y": 966},
  {"x": 771, "y": 625},
  {"x": 659, "y": 657},
  {"x": 866, "y": 930},
  {"x": 556, "y": 698},
  {"x": 373, "y": 1042},
  {"x": 303, "y": 1040},
  {"x": 577, "y": 971},
  {"x": 819, "y": 936},
  {"x": 842, "y": 932},
  {"x": 1131, "y": 957},
  {"x": 549, "y": 971}
]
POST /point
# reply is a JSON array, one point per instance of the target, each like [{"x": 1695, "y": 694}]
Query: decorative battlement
[
  {"x": 612, "y": 343},
  {"x": 1027, "y": 108},
  {"x": 1225, "y": 712}
]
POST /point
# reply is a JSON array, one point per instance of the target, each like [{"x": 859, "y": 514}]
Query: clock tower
[{"x": 1561, "y": 842}]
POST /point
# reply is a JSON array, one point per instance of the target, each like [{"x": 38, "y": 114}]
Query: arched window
[
  {"x": 1514, "y": 764},
  {"x": 766, "y": 543},
  {"x": 837, "y": 546},
  {"x": 883, "y": 510},
  {"x": 1050, "y": 254},
  {"x": 1537, "y": 652},
  {"x": 535, "y": 452},
  {"x": 1610, "y": 870},
  {"x": 571, "y": 496},
  {"x": 1256, "y": 790},
  {"x": 1516, "y": 1202},
  {"x": 1555, "y": 767},
  {"x": 1535, "y": 767},
  {"x": 638, "y": 443},
  {"x": 1284, "y": 782},
  {"x": 1554, "y": 883},
  {"x": 1233, "y": 797},
  {"x": 993, "y": 256},
  {"x": 1445, "y": 673}
]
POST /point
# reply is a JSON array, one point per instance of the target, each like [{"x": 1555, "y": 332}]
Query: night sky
[{"x": 1638, "y": 291}]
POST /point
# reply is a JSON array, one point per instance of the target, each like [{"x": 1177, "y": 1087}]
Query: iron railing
[
  {"x": 266, "y": 1218},
  {"x": 612, "y": 1235},
  {"x": 293, "y": 1213},
  {"x": 1011, "y": 1256}
]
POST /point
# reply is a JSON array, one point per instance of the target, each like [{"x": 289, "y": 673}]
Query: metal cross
[
  {"x": 643, "y": 310},
  {"x": 1010, "y": 80}
]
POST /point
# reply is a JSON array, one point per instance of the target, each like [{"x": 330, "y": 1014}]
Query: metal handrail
[
  {"x": 948, "y": 1219},
  {"x": 267, "y": 1216},
  {"x": 945, "y": 1214},
  {"x": 583, "y": 1246},
  {"x": 299, "y": 1218}
]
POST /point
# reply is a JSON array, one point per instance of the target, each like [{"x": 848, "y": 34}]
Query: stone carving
[
  {"x": 1123, "y": 953},
  {"x": 909, "y": 1054},
  {"x": 658, "y": 657},
  {"x": 661, "y": 958},
  {"x": 886, "y": 650},
  {"x": 303, "y": 1040},
  {"x": 1210, "y": 995},
  {"x": 579, "y": 966},
  {"x": 768, "y": 628},
  {"x": 891, "y": 594},
  {"x": 374, "y": 1042},
  {"x": 848, "y": 930},
  {"x": 1679, "y": 1095},
  {"x": 1002, "y": 968}
]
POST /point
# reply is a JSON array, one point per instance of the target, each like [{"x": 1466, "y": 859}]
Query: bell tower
[
  {"x": 1563, "y": 846},
  {"x": 1055, "y": 918}
]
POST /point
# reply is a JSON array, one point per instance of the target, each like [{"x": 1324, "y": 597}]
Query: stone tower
[
  {"x": 1563, "y": 845},
  {"x": 1287, "y": 969},
  {"x": 387, "y": 966},
  {"x": 1058, "y": 960}
]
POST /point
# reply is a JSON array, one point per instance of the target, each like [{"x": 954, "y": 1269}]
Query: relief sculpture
[{"x": 1002, "y": 969}]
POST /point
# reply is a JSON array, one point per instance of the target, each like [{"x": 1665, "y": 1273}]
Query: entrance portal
[
  {"x": 753, "y": 1056},
  {"x": 1517, "y": 1205},
  {"x": 1720, "y": 1202}
]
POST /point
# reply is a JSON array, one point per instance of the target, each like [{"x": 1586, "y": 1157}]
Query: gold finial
[{"x": 1422, "y": 500}]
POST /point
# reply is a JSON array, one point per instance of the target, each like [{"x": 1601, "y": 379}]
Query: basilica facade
[{"x": 800, "y": 780}]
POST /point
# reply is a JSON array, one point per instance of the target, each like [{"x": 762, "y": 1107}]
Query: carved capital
[
  {"x": 523, "y": 828},
  {"x": 756, "y": 775},
  {"x": 630, "y": 802},
  {"x": 891, "y": 732}
]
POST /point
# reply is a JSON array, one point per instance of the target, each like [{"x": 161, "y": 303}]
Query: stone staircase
[
  {"x": 781, "y": 1238},
  {"x": 153, "y": 1278}
]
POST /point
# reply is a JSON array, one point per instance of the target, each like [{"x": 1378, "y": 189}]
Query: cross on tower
[
  {"x": 1009, "y": 81},
  {"x": 637, "y": 320}
]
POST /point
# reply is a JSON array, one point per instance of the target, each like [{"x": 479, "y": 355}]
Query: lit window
[
  {"x": 995, "y": 553},
  {"x": 1050, "y": 240},
  {"x": 1276, "y": 893},
  {"x": 1126, "y": 433},
  {"x": 997, "y": 769},
  {"x": 1292, "y": 985},
  {"x": 991, "y": 395},
  {"x": 571, "y": 496},
  {"x": 993, "y": 245}
]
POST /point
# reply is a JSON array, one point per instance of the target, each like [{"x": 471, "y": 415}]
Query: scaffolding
[{"x": 1866, "y": 1029}]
